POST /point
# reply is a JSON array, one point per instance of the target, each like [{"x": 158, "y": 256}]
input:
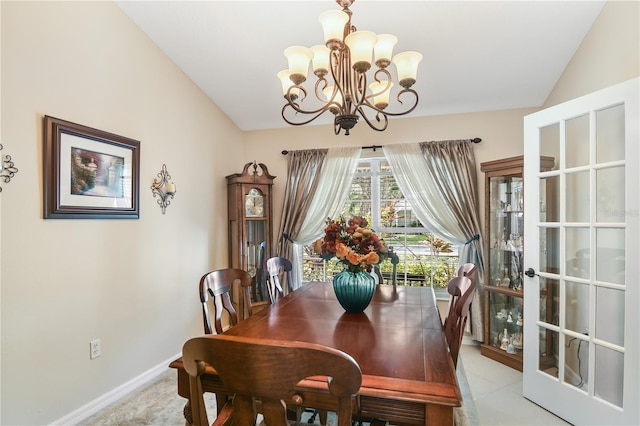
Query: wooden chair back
[
  {"x": 461, "y": 293},
  {"x": 218, "y": 285},
  {"x": 277, "y": 267},
  {"x": 375, "y": 269},
  {"x": 468, "y": 270},
  {"x": 268, "y": 370}
]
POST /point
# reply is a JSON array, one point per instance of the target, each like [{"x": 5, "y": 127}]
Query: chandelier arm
[
  {"x": 407, "y": 111},
  {"x": 388, "y": 80},
  {"x": 318, "y": 113},
  {"x": 383, "y": 123},
  {"x": 360, "y": 89},
  {"x": 296, "y": 106},
  {"x": 368, "y": 104},
  {"x": 323, "y": 81},
  {"x": 346, "y": 82},
  {"x": 336, "y": 127}
]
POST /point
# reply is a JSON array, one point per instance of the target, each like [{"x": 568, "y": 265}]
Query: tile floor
[{"x": 497, "y": 392}]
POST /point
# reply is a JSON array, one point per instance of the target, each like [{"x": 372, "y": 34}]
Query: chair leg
[
  {"x": 186, "y": 412},
  {"x": 323, "y": 417}
]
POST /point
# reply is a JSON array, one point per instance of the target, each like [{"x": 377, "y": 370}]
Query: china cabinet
[
  {"x": 504, "y": 242},
  {"x": 250, "y": 229}
]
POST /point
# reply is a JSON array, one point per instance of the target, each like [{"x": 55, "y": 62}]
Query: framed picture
[{"x": 89, "y": 173}]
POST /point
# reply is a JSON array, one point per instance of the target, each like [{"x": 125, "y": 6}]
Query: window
[{"x": 375, "y": 195}]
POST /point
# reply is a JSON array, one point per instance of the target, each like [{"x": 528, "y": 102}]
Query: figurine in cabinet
[{"x": 504, "y": 343}]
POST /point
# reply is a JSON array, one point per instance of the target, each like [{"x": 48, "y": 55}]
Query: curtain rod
[{"x": 374, "y": 147}]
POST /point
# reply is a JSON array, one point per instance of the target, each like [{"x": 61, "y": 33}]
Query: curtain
[
  {"x": 333, "y": 189},
  {"x": 318, "y": 183},
  {"x": 303, "y": 171},
  {"x": 439, "y": 181}
]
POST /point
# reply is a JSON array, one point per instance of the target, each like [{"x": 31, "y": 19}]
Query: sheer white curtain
[
  {"x": 418, "y": 187},
  {"x": 333, "y": 189}
]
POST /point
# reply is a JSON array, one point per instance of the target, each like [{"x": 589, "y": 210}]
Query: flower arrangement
[{"x": 351, "y": 241}]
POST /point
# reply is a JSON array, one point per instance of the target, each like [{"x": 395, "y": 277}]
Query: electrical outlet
[{"x": 95, "y": 349}]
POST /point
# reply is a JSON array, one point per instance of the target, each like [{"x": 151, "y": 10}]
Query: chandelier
[{"x": 341, "y": 67}]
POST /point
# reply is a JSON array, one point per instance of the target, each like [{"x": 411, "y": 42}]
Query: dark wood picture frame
[{"x": 89, "y": 173}]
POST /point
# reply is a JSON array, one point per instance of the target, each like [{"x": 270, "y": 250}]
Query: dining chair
[
  {"x": 276, "y": 267},
  {"x": 268, "y": 370},
  {"x": 461, "y": 293},
  {"x": 393, "y": 258},
  {"x": 468, "y": 270},
  {"x": 375, "y": 270},
  {"x": 218, "y": 285}
]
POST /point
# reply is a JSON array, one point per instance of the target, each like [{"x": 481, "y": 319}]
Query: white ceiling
[{"x": 478, "y": 55}]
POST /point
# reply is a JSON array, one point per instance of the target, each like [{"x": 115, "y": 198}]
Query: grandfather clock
[{"x": 250, "y": 229}]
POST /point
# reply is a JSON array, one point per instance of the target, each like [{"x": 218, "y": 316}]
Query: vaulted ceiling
[{"x": 478, "y": 55}]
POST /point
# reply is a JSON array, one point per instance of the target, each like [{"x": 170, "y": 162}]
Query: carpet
[{"x": 158, "y": 404}]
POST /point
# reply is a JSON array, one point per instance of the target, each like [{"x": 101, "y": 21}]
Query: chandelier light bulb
[
  {"x": 384, "y": 49},
  {"x": 299, "y": 58},
  {"x": 407, "y": 66},
  {"x": 333, "y": 22},
  {"x": 361, "y": 46}
]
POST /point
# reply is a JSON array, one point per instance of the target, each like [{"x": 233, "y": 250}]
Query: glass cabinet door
[
  {"x": 255, "y": 258},
  {"x": 506, "y": 232}
]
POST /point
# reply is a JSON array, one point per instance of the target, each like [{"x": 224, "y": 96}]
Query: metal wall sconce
[
  {"x": 7, "y": 168},
  {"x": 163, "y": 188}
]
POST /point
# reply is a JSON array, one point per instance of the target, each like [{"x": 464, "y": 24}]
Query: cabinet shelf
[{"x": 505, "y": 290}]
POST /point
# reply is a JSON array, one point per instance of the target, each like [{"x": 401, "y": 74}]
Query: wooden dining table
[{"x": 408, "y": 376}]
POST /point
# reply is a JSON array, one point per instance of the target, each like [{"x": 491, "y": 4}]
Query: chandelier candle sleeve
[
  {"x": 380, "y": 92},
  {"x": 407, "y": 65},
  {"x": 333, "y": 22},
  {"x": 286, "y": 84},
  {"x": 299, "y": 58},
  {"x": 384, "y": 49},
  {"x": 361, "y": 46},
  {"x": 320, "y": 60},
  {"x": 347, "y": 84}
]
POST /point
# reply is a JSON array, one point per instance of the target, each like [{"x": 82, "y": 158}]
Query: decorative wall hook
[
  {"x": 163, "y": 188},
  {"x": 7, "y": 168}
]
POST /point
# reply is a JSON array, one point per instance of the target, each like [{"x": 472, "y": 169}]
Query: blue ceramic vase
[{"x": 354, "y": 290}]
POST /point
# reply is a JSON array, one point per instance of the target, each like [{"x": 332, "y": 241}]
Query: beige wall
[
  {"x": 609, "y": 54},
  {"x": 132, "y": 283}
]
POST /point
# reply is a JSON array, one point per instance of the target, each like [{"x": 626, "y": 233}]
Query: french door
[{"x": 582, "y": 290}]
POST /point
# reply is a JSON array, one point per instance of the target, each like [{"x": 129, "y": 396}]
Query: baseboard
[{"x": 114, "y": 395}]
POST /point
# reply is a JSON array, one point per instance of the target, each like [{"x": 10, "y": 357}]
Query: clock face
[{"x": 254, "y": 203}]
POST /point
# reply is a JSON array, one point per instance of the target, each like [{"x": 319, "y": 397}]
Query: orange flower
[
  {"x": 353, "y": 258},
  {"x": 371, "y": 258},
  {"x": 341, "y": 251}
]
